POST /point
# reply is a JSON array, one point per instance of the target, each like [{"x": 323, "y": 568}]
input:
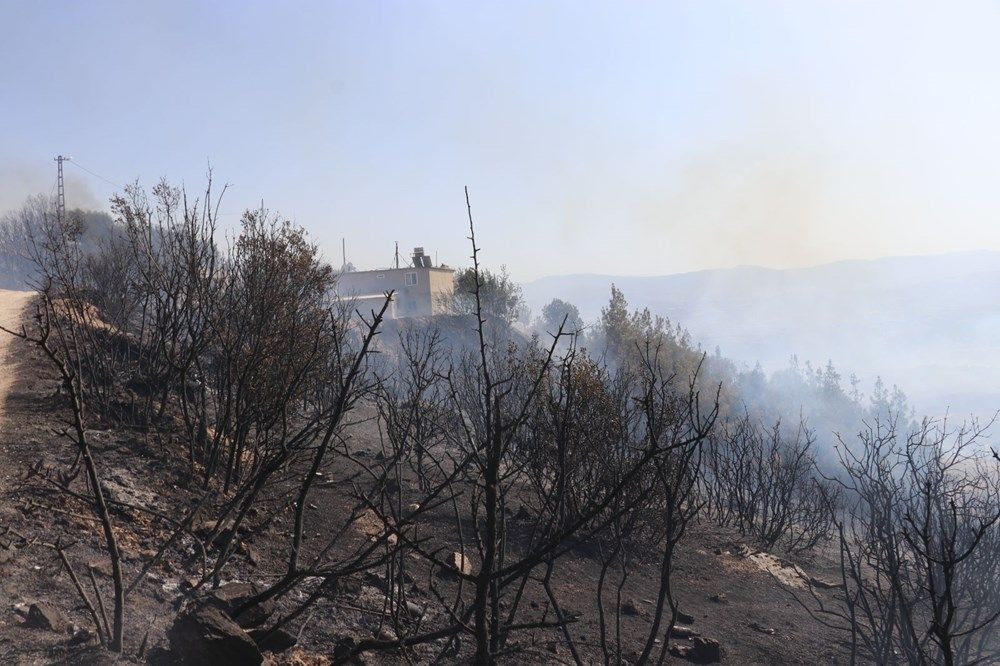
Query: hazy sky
[{"x": 624, "y": 138}]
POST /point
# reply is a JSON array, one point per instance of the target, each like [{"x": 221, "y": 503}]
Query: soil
[{"x": 736, "y": 595}]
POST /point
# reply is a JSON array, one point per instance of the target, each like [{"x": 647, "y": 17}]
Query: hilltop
[{"x": 927, "y": 323}]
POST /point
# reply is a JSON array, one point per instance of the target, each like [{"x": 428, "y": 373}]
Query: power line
[{"x": 97, "y": 175}]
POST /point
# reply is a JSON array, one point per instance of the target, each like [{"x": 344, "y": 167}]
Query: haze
[{"x": 672, "y": 137}]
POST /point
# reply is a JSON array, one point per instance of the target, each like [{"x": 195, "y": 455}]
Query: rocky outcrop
[{"x": 205, "y": 634}]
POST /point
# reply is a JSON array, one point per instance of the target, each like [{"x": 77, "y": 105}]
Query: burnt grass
[{"x": 751, "y": 614}]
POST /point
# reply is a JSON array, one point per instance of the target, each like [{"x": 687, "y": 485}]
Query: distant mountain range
[{"x": 930, "y": 324}]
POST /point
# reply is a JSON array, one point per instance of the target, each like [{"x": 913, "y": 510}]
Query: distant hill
[{"x": 928, "y": 323}]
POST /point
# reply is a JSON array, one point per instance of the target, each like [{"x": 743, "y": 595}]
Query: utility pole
[
  {"x": 61, "y": 190},
  {"x": 343, "y": 252},
  {"x": 397, "y": 254}
]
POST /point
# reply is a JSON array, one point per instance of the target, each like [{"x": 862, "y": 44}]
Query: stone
[
  {"x": 414, "y": 610},
  {"x": 719, "y": 598},
  {"x": 250, "y": 553},
  {"x": 205, "y": 634},
  {"x": 460, "y": 564},
  {"x": 45, "y": 616},
  {"x": 232, "y": 595},
  {"x": 685, "y": 618},
  {"x": 700, "y": 650},
  {"x": 80, "y": 635},
  {"x": 204, "y": 528},
  {"x": 630, "y": 607},
  {"x": 102, "y": 567},
  {"x": 680, "y": 631}
]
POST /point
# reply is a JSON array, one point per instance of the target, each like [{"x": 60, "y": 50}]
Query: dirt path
[{"x": 12, "y": 303}]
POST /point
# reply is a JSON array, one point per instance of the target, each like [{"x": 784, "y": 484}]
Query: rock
[
  {"x": 685, "y": 618},
  {"x": 80, "y": 635},
  {"x": 719, "y": 598},
  {"x": 206, "y": 527},
  {"x": 275, "y": 641},
  {"x": 700, "y": 650},
  {"x": 7, "y": 554},
  {"x": 630, "y": 607},
  {"x": 250, "y": 553},
  {"x": 414, "y": 610},
  {"x": 232, "y": 595},
  {"x": 386, "y": 634},
  {"x": 680, "y": 631},
  {"x": 460, "y": 563},
  {"x": 44, "y": 616},
  {"x": 413, "y": 507},
  {"x": 756, "y": 626},
  {"x": 204, "y": 634},
  {"x": 102, "y": 567}
]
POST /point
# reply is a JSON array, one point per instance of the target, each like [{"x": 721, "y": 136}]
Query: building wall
[{"x": 421, "y": 299}]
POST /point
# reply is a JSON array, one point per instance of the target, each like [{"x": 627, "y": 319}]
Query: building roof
[{"x": 408, "y": 269}]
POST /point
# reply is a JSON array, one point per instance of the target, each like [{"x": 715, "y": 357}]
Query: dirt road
[{"x": 12, "y": 303}]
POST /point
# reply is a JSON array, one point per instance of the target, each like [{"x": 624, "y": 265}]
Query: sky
[{"x": 620, "y": 138}]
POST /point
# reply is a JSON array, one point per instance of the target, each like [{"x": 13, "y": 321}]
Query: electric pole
[{"x": 60, "y": 189}]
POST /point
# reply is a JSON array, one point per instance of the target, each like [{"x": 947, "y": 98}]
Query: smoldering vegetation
[{"x": 529, "y": 448}]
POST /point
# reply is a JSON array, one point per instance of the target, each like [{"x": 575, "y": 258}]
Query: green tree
[
  {"x": 558, "y": 310},
  {"x": 500, "y": 296}
]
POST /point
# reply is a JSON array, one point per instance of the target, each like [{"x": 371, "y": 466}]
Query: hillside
[
  {"x": 727, "y": 590},
  {"x": 927, "y": 323}
]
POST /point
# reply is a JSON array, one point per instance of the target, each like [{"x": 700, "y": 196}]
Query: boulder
[
  {"x": 204, "y": 634},
  {"x": 700, "y": 650},
  {"x": 232, "y": 595},
  {"x": 45, "y": 616}
]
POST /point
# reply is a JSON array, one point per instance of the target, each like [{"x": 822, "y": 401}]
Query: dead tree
[
  {"x": 55, "y": 334},
  {"x": 922, "y": 512}
]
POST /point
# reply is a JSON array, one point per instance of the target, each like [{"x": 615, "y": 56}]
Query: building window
[
  {"x": 381, "y": 275},
  {"x": 410, "y": 279}
]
